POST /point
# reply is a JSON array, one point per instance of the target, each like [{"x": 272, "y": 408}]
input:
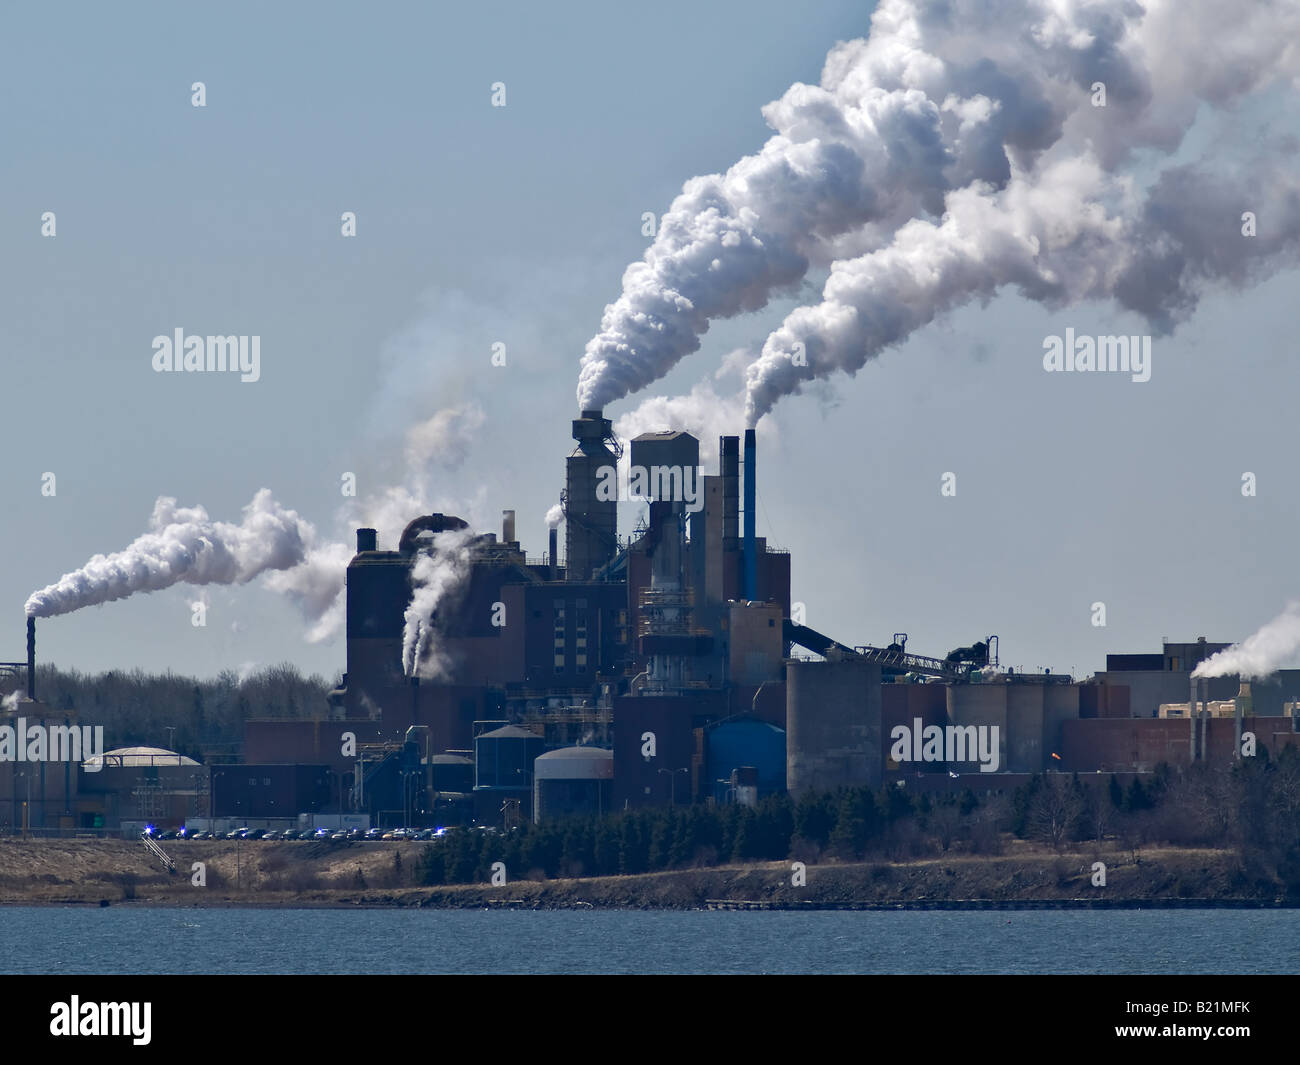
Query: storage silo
[
  {"x": 572, "y": 780},
  {"x": 833, "y": 722},
  {"x": 503, "y": 759}
]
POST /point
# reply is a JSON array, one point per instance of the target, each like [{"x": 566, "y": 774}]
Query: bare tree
[{"x": 1055, "y": 809}]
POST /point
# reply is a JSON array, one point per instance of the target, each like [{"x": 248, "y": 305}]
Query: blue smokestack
[{"x": 751, "y": 555}]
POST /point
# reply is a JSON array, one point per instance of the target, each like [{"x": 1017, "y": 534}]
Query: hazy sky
[{"x": 478, "y": 225}]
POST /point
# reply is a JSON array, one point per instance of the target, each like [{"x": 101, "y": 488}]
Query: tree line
[
  {"x": 142, "y": 709},
  {"x": 1253, "y": 808}
]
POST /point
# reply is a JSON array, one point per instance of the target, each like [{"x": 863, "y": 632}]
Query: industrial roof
[
  {"x": 139, "y": 756},
  {"x": 510, "y": 732}
]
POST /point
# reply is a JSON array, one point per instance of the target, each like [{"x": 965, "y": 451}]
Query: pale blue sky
[{"x": 479, "y": 224}]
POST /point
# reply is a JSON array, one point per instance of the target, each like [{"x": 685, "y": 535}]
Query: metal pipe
[
  {"x": 1205, "y": 719},
  {"x": 31, "y": 659},
  {"x": 1236, "y": 732}
]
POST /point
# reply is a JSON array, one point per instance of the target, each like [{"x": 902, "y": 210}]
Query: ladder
[{"x": 152, "y": 847}]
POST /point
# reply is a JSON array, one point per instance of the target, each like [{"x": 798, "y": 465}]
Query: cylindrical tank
[
  {"x": 504, "y": 758},
  {"x": 572, "y": 781},
  {"x": 833, "y": 736},
  {"x": 451, "y": 772}
]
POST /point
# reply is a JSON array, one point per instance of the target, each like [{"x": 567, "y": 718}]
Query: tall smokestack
[
  {"x": 553, "y": 547},
  {"x": 508, "y": 526},
  {"x": 751, "y": 491},
  {"x": 31, "y": 659},
  {"x": 1205, "y": 719},
  {"x": 591, "y": 520},
  {"x": 1191, "y": 717},
  {"x": 729, "y": 450}
]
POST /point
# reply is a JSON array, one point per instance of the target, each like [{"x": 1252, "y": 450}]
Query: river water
[{"x": 123, "y": 940}]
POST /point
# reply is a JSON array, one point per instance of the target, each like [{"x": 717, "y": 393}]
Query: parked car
[{"x": 375, "y": 833}]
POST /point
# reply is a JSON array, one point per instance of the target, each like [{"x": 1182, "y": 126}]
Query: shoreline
[{"x": 108, "y": 873}]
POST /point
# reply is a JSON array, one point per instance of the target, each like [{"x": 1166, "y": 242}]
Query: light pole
[{"x": 672, "y": 783}]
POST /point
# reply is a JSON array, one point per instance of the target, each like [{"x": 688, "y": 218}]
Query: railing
[{"x": 158, "y": 853}]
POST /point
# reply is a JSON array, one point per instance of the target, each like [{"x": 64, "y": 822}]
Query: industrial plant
[{"x": 660, "y": 667}]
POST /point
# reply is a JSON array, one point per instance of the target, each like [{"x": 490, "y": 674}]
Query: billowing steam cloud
[
  {"x": 317, "y": 586},
  {"x": 1258, "y": 655},
  {"x": 554, "y": 516},
  {"x": 958, "y": 151},
  {"x": 184, "y": 545},
  {"x": 437, "y": 578}
]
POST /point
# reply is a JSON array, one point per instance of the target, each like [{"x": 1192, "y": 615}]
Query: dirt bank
[{"x": 118, "y": 872}]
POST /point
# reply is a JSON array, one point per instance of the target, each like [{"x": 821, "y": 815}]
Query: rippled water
[{"x": 144, "y": 941}]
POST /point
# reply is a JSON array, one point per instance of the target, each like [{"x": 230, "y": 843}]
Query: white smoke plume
[
  {"x": 944, "y": 105},
  {"x": 554, "y": 516},
  {"x": 317, "y": 587},
  {"x": 702, "y": 412},
  {"x": 444, "y": 439},
  {"x": 1051, "y": 237},
  {"x": 437, "y": 578},
  {"x": 184, "y": 545},
  {"x": 1266, "y": 651},
  {"x": 9, "y": 704}
]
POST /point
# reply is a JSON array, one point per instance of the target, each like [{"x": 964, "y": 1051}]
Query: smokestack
[
  {"x": 1205, "y": 719},
  {"x": 751, "y": 557},
  {"x": 729, "y": 449},
  {"x": 591, "y": 521},
  {"x": 508, "y": 526},
  {"x": 1236, "y": 730},
  {"x": 367, "y": 540},
  {"x": 1191, "y": 717},
  {"x": 553, "y": 547},
  {"x": 31, "y": 659}
]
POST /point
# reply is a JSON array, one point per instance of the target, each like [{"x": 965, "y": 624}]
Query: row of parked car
[{"x": 341, "y": 835}]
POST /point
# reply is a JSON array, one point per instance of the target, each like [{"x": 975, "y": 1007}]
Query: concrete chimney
[
  {"x": 729, "y": 463},
  {"x": 1191, "y": 717},
  {"x": 553, "y": 547},
  {"x": 508, "y": 526},
  {"x": 751, "y": 493},
  {"x": 31, "y": 659}
]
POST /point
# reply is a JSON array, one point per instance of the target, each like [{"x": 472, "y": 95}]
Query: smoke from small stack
[
  {"x": 184, "y": 545},
  {"x": 1264, "y": 652},
  {"x": 31, "y": 658},
  {"x": 316, "y": 587},
  {"x": 956, "y": 151},
  {"x": 438, "y": 577}
]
